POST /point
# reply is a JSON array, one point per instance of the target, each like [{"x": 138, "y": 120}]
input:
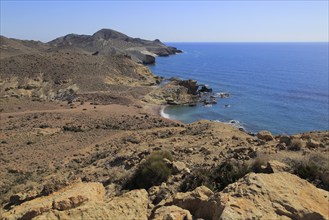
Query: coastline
[
  {"x": 90, "y": 145},
  {"x": 163, "y": 114}
]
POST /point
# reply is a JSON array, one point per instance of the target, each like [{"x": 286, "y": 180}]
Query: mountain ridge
[
  {"x": 111, "y": 42},
  {"x": 107, "y": 42}
]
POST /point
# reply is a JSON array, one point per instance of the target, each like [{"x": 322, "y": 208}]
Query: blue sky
[{"x": 170, "y": 21}]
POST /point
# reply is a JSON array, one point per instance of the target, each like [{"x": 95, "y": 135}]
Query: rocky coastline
[{"x": 82, "y": 137}]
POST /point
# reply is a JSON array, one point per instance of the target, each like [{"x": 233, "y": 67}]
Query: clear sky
[{"x": 170, "y": 21}]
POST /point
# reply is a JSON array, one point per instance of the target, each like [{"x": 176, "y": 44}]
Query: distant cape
[{"x": 111, "y": 42}]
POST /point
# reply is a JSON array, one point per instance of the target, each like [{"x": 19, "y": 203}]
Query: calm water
[{"x": 281, "y": 87}]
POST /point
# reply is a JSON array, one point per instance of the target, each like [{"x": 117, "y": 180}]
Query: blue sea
[{"x": 280, "y": 87}]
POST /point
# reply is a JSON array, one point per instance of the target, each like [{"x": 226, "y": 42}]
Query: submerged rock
[{"x": 205, "y": 89}]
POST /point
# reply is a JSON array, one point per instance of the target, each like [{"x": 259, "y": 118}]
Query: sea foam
[{"x": 163, "y": 114}]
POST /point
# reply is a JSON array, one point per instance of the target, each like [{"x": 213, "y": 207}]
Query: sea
[{"x": 279, "y": 87}]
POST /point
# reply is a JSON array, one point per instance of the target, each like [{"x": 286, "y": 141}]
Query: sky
[{"x": 170, "y": 21}]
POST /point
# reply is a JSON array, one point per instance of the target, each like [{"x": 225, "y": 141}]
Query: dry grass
[{"x": 296, "y": 145}]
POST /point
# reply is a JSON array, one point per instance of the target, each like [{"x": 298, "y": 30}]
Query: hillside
[
  {"x": 82, "y": 138},
  {"x": 11, "y": 47}
]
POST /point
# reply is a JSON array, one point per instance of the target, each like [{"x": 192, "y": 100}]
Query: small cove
[{"x": 280, "y": 87}]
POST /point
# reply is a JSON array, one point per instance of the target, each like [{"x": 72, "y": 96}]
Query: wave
[
  {"x": 207, "y": 106},
  {"x": 163, "y": 114}
]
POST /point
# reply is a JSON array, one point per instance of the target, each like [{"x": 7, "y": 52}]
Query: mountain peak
[{"x": 109, "y": 34}]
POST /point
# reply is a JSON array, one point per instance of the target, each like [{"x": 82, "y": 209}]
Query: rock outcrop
[
  {"x": 255, "y": 196},
  {"x": 68, "y": 198},
  {"x": 83, "y": 201},
  {"x": 172, "y": 93},
  {"x": 181, "y": 92},
  {"x": 198, "y": 202},
  {"x": 274, "y": 166},
  {"x": 273, "y": 196},
  {"x": 172, "y": 213}
]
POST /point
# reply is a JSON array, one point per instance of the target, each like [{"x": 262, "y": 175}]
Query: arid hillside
[{"x": 82, "y": 138}]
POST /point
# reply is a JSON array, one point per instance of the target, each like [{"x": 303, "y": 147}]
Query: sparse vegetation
[
  {"x": 72, "y": 128},
  {"x": 296, "y": 145},
  {"x": 314, "y": 168},
  {"x": 44, "y": 126},
  {"x": 153, "y": 171},
  {"x": 217, "y": 178}
]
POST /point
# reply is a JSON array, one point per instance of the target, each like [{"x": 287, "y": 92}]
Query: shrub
[
  {"x": 153, "y": 171},
  {"x": 229, "y": 172},
  {"x": 216, "y": 178},
  {"x": 258, "y": 164},
  {"x": 72, "y": 128},
  {"x": 314, "y": 168},
  {"x": 199, "y": 177},
  {"x": 296, "y": 145}
]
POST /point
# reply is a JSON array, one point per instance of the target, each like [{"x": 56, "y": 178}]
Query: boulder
[
  {"x": 131, "y": 205},
  {"x": 171, "y": 213},
  {"x": 272, "y": 196},
  {"x": 197, "y": 202},
  {"x": 265, "y": 135},
  {"x": 178, "y": 167},
  {"x": 274, "y": 166}
]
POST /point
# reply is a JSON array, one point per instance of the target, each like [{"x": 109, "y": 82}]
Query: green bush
[{"x": 153, "y": 171}]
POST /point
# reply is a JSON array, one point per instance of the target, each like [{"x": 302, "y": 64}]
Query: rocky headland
[{"x": 81, "y": 138}]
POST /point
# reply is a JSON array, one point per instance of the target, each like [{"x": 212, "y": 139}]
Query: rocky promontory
[{"x": 110, "y": 42}]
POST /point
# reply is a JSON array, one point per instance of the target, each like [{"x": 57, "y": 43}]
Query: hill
[{"x": 110, "y": 42}]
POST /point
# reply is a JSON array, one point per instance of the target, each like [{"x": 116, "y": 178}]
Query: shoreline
[{"x": 163, "y": 114}]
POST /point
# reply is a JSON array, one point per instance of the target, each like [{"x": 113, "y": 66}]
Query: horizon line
[
  {"x": 245, "y": 41},
  {"x": 194, "y": 41}
]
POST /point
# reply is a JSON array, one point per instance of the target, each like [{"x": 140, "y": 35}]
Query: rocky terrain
[{"x": 81, "y": 138}]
